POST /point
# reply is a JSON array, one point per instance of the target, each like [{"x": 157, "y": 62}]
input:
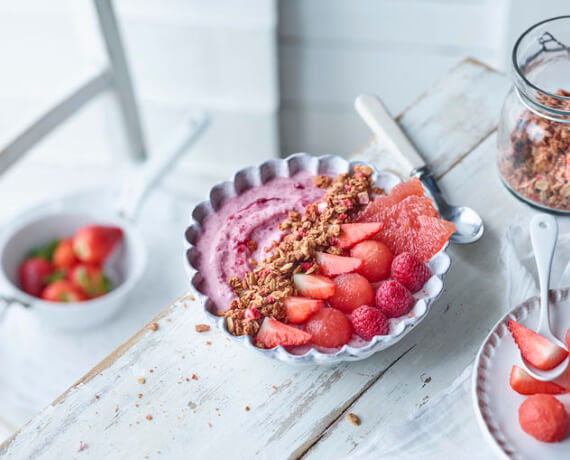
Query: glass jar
[{"x": 534, "y": 129}]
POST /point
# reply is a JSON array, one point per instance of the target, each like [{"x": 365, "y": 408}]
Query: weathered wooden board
[{"x": 297, "y": 410}]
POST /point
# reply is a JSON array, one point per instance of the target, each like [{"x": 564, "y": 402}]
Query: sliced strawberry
[
  {"x": 273, "y": 333},
  {"x": 524, "y": 384},
  {"x": 300, "y": 308},
  {"x": 567, "y": 342},
  {"x": 536, "y": 349},
  {"x": 332, "y": 265},
  {"x": 352, "y": 234},
  {"x": 314, "y": 286}
]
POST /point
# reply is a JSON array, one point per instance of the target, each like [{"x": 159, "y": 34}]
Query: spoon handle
[
  {"x": 387, "y": 130},
  {"x": 543, "y": 235}
]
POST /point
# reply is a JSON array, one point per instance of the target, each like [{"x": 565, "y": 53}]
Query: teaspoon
[
  {"x": 468, "y": 224},
  {"x": 543, "y": 235}
]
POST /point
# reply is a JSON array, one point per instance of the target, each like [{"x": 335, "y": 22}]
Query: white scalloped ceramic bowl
[
  {"x": 495, "y": 402},
  {"x": 329, "y": 165}
]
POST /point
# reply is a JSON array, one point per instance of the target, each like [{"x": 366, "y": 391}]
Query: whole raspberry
[
  {"x": 394, "y": 299},
  {"x": 369, "y": 322},
  {"x": 409, "y": 271}
]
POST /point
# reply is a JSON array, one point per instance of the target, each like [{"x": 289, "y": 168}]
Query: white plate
[{"x": 496, "y": 403}]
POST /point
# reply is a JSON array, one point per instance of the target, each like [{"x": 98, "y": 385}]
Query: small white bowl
[{"x": 59, "y": 219}]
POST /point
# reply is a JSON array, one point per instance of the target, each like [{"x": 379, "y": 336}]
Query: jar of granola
[{"x": 534, "y": 129}]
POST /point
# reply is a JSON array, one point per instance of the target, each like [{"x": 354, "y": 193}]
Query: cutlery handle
[
  {"x": 379, "y": 120},
  {"x": 543, "y": 235}
]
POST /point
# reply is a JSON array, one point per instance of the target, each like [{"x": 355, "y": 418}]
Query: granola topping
[
  {"x": 260, "y": 292},
  {"x": 538, "y": 164}
]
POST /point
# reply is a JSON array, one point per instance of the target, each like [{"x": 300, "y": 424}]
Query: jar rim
[{"x": 519, "y": 73}]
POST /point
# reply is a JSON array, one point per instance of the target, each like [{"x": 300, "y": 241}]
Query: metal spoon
[
  {"x": 468, "y": 224},
  {"x": 543, "y": 235}
]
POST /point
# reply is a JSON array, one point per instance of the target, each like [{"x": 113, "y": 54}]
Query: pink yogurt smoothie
[{"x": 253, "y": 215}]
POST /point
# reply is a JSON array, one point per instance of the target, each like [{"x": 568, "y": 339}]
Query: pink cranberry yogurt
[{"x": 254, "y": 216}]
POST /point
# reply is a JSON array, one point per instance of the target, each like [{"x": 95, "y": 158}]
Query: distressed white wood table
[{"x": 205, "y": 397}]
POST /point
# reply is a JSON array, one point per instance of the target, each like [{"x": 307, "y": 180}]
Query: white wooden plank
[
  {"x": 422, "y": 23},
  {"x": 228, "y": 69},
  {"x": 304, "y": 401},
  {"x": 293, "y": 416},
  {"x": 220, "y": 13},
  {"x": 456, "y": 114}
]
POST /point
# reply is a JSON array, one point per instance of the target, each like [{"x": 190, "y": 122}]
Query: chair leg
[{"x": 121, "y": 78}]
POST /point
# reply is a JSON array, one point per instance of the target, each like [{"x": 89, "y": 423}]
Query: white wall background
[{"x": 332, "y": 50}]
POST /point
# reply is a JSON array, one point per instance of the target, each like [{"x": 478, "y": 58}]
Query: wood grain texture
[{"x": 297, "y": 411}]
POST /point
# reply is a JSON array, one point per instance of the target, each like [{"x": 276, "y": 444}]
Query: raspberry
[
  {"x": 369, "y": 322},
  {"x": 393, "y": 299},
  {"x": 409, "y": 271}
]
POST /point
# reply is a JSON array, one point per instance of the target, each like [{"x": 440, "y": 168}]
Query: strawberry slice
[
  {"x": 536, "y": 349},
  {"x": 332, "y": 265},
  {"x": 352, "y": 234},
  {"x": 300, "y": 308},
  {"x": 525, "y": 384},
  {"x": 314, "y": 286},
  {"x": 273, "y": 333}
]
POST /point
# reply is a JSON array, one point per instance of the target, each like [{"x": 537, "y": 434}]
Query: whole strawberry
[
  {"x": 409, "y": 271},
  {"x": 394, "y": 299},
  {"x": 369, "y": 322}
]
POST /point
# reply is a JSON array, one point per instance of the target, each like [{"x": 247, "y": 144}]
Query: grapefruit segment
[
  {"x": 412, "y": 187},
  {"x": 411, "y": 222},
  {"x": 431, "y": 236}
]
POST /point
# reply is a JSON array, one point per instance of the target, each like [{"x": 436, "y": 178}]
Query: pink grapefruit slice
[
  {"x": 401, "y": 191},
  {"x": 411, "y": 222}
]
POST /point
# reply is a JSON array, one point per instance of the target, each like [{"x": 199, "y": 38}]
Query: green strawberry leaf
[
  {"x": 44, "y": 252},
  {"x": 106, "y": 283},
  {"x": 55, "y": 276}
]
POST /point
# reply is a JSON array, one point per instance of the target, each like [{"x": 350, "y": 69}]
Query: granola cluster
[
  {"x": 538, "y": 165},
  {"x": 260, "y": 292}
]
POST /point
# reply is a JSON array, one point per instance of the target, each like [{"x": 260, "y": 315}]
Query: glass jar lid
[{"x": 541, "y": 64}]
